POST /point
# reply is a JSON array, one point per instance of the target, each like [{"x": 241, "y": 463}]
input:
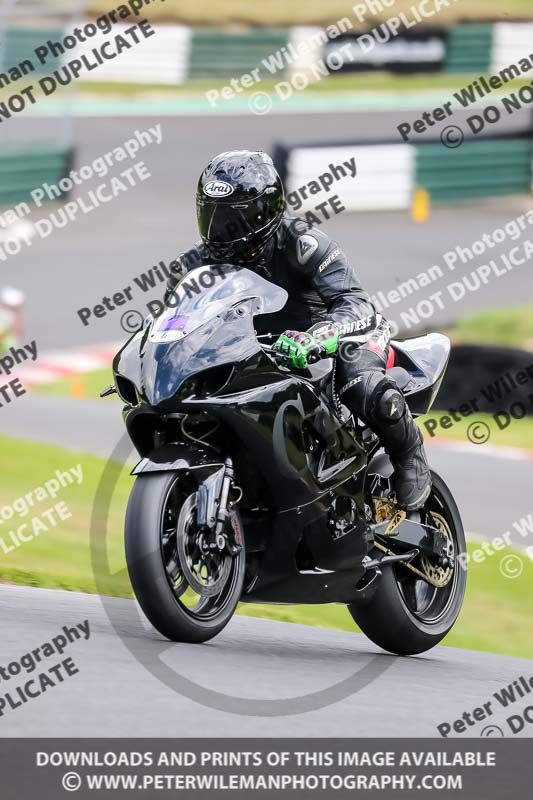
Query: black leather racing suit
[{"x": 323, "y": 285}]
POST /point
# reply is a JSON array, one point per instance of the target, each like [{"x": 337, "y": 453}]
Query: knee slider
[
  {"x": 391, "y": 405},
  {"x": 386, "y": 402}
]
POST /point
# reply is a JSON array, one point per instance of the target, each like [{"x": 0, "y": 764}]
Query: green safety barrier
[
  {"x": 216, "y": 54},
  {"x": 476, "y": 169},
  {"x": 469, "y": 48},
  {"x": 223, "y": 54},
  {"x": 20, "y": 44},
  {"x": 22, "y": 171}
]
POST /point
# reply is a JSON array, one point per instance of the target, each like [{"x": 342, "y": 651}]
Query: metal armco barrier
[
  {"x": 389, "y": 173},
  {"x": 484, "y": 168},
  {"x": 180, "y": 53},
  {"x": 228, "y": 55},
  {"x": 22, "y": 171}
]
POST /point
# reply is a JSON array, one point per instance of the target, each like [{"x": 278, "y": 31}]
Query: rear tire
[
  {"x": 154, "y": 518},
  {"x": 392, "y": 622}
]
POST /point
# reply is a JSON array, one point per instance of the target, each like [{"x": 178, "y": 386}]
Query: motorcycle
[{"x": 256, "y": 485}]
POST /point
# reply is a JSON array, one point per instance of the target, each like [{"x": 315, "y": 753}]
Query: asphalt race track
[
  {"x": 101, "y": 252},
  {"x": 119, "y": 691},
  {"x": 268, "y": 666},
  {"x": 115, "y": 692},
  {"x": 491, "y": 492}
]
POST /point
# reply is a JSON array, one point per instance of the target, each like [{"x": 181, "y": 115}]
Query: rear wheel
[
  {"x": 408, "y": 615},
  {"x": 188, "y": 591}
]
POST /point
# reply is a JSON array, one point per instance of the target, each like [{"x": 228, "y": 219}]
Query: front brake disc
[{"x": 206, "y": 571}]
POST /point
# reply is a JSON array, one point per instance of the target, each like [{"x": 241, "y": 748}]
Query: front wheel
[
  {"x": 407, "y": 615},
  {"x": 188, "y": 592}
]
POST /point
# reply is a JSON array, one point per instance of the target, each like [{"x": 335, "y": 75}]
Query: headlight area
[
  {"x": 150, "y": 431},
  {"x": 126, "y": 390}
]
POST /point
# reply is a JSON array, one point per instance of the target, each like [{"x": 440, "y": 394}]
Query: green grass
[
  {"x": 90, "y": 383},
  {"x": 512, "y": 327},
  {"x": 496, "y": 616},
  {"x": 59, "y": 558},
  {"x": 338, "y": 84},
  {"x": 519, "y": 432},
  {"x": 279, "y": 12}
]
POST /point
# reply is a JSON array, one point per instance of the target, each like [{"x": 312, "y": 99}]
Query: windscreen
[{"x": 209, "y": 291}]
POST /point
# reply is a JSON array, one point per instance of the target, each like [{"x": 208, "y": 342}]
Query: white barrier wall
[
  {"x": 385, "y": 177},
  {"x": 511, "y": 42},
  {"x": 306, "y": 43},
  {"x": 163, "y": 58}
]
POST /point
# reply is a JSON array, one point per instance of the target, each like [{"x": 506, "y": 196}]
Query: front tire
[
  {"x": 407, "y": 616},
  {"x": 161, "y": 508}
]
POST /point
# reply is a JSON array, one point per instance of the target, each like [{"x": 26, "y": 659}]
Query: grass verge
[
  {"x": 336, "y": 84},
  {"x": 85, "y": 384},
  {"x": 496, "y": 617},
  {"x": 511, "y": 327},
  {"x": 279, "y": 12},
  {"x": 518, "y": 434}
]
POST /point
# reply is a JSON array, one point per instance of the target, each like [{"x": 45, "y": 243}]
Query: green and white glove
[{"x": 304, "y": 348}]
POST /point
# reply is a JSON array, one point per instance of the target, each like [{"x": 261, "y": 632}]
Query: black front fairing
[
  {"x": 167, "y": 367},
  {"x": 204, "y": 329}
]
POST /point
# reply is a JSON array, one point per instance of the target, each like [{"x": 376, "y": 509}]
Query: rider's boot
[{"x": 404, "y": 443}]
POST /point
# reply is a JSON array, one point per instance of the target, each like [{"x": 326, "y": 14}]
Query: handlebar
[{"x": 313, "y": 358}]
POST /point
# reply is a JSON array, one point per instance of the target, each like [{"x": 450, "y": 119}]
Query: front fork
[{"x": 213, "y": 512}]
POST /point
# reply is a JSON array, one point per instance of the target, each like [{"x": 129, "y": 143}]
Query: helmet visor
[{"x": 225, "y": 223}]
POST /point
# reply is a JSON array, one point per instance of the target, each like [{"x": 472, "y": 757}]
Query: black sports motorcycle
[{"x": 256, "y": 485}]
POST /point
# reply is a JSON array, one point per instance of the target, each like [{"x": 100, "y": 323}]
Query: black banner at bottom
[{"x": 202, "y": 768}]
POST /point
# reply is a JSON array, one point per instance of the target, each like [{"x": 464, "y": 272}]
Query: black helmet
[{"x": 239, "y": 204}]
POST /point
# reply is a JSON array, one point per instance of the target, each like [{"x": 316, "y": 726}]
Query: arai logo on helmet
[{"x": 218, "y": 189}]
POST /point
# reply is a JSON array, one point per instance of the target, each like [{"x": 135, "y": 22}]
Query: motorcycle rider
[{"x": 242, "y": 219}]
